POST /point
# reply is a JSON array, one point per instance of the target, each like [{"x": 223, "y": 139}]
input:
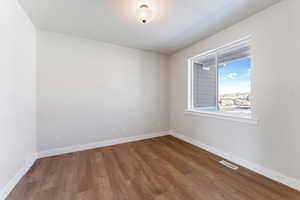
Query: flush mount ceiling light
[{"x": 144, "y": 14}]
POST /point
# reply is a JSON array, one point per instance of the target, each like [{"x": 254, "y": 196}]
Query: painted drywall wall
[
  {"x": 90, "y": 91},
  {"x": 274, "y": 143},
  {"x": 17, "y": 90}
]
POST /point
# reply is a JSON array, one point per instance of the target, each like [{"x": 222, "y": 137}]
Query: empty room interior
[{"x": 149, "y": 100}]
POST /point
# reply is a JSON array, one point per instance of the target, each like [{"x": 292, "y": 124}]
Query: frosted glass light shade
[{"x": 144, "y": 14}]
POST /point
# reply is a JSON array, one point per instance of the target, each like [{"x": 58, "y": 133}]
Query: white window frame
[{"x": 238, "y": 117}]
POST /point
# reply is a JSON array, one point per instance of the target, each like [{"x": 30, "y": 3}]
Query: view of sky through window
[
  {"x": 235, "y": 85},
  {"x": 235, "y": 77}
]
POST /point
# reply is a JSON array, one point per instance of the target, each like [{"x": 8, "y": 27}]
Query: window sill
[{"x": 224, "y": 116}]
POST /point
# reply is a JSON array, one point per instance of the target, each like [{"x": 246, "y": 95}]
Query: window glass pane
[
  {"x": 220, "y": 80},
  {"x": 205, "y": 82},
  {"x": 235, "y": 86}
]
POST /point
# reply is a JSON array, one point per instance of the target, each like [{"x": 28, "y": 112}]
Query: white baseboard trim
[
  {"x": 274, "y": 175},
  {"x": 59, "y": 151},
  {"x": 14, "y": 181}
]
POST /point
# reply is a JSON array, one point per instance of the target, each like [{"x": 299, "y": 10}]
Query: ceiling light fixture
[{"x": 144, "y": 14}]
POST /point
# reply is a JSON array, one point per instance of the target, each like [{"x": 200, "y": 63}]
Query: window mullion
[
  {"x": 217, "y": 81},
  {"x": 191, "y": 85}
]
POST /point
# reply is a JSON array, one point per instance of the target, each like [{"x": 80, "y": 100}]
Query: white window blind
[{"x": 233, "y": 53}]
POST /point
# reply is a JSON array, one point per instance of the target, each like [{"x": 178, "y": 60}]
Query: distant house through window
[{"x": 220, "y": 80}]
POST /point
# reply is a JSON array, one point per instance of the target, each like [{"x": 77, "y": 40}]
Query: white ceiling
[{"x": 178, "y": 23}]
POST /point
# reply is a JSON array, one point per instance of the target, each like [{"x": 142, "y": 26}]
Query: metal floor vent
[{"x": 229, "y": 165}]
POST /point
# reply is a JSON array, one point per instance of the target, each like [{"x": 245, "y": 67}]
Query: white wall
[
  {"x": 17, "y": 90},
  {"x": 90, "y": 91},
  {"x": 274, "y": 143}
]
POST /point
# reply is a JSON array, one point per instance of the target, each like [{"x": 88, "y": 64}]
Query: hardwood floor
[{"x": 163, "y": 168}]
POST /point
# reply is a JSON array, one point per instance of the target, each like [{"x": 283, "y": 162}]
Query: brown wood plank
[{"x": 163, "y": 168}]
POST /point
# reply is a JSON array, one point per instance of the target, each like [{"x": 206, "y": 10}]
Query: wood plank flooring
[{"x": 163, "y": 168}]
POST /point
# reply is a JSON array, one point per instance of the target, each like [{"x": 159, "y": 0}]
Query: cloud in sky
[
  {"x": 242, "y": 86},
  {"x": 249, "y": 72},
  {"x": 231, "y": 75},
  {"x": 235, "y": 77}
]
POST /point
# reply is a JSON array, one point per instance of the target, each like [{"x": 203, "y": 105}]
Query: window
[{"x": 220, "y": 80}]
